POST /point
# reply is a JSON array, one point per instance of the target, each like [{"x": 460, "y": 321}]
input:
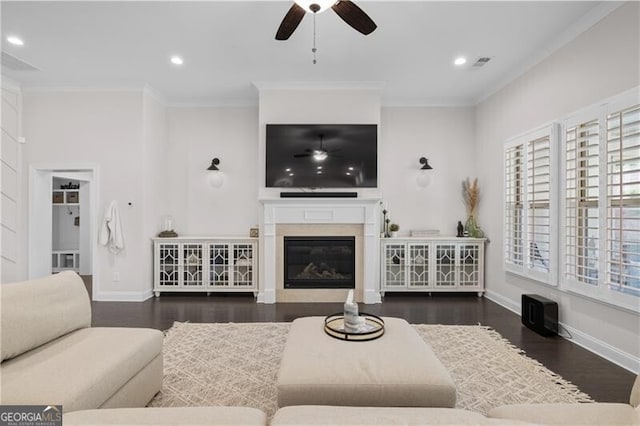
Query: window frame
[
  {"x": 549, "y": 277},
  {"x": 601, "y": 291}
]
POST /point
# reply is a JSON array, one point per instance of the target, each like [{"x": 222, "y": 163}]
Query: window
[
  {"x": 530, "y": 205},
  {"x": 601, "y": 196},
  {"x": 623, "y": 201},
  {"x": 582, "y": 176},
  {"x": 513, "y": 244},
  {"x": 593, "y": 193}
]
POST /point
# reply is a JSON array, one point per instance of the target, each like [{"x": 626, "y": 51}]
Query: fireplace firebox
[{"x": 319, "y": 262}]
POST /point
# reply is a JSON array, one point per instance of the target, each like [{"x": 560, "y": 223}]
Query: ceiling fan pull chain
[{"x": 314, "y": 50}]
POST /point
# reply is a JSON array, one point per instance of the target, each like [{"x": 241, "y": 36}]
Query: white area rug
[{"x": 237, "y": 364}]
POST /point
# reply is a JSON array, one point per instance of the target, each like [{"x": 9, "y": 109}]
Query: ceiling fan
[
  {"x": 346, "y": 9},
  {"x": 319, "y": 154}
]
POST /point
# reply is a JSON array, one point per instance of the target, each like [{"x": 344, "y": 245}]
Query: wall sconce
[
  {"x": 215, "y": 175},
  {"x": 424, "y": 179}
]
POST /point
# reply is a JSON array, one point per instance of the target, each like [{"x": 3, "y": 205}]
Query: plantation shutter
[
  {"x": 538, "y": 203},
  {"x": 623, "y": 200},
  {"x": 513, "y": 220},
  {"x": 530, "y": 212},
  {"x": 581, "y": 202}
]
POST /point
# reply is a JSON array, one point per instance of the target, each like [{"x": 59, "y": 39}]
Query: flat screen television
[{"x": 321, "y": 156}]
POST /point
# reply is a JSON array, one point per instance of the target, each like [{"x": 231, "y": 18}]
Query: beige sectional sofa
[{"x": 52, "y": 355}]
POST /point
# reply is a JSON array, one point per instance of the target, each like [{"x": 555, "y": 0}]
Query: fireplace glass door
[{"x": 319, "y": 262}]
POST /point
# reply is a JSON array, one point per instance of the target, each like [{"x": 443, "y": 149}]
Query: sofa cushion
[
  {"x": 80, "y": 370},
  {"x": 167, "y": 416},
  {"x": 634, "y": 398},
  {"x": 331, "y": 415},
  {"x": 38, "y": 311},
  {"x": 574, "y": 414}
]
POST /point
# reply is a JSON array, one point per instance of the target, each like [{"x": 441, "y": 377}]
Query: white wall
[
  {"x": 196, "y": 136},
  {"x": 102, "y": 128},
  {"x": 601, "y": 62},
  {"x": 155, "y": 168},
  {"x": 11, "y": 226},
  {"x": 446, "y": 137}
]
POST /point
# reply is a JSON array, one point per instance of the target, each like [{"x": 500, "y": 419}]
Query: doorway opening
[{"x": 63, "y": 222}]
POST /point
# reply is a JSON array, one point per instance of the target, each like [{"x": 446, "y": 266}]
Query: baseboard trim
[
  {"x": 266, "y": 296},
  {"x": 580, "y": 338},
  {"x": 122, "y": 296},
  {"x": 503, "y": 301},
  {"x": 603, "y": 349}
]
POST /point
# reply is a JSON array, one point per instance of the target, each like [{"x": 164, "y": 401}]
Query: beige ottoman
[{"x": 397, "y": 370}]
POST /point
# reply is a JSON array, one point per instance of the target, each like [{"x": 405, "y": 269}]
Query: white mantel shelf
[{"x": 364, "y": 211}]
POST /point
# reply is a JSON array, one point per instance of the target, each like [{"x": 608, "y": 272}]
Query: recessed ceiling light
[
  {"x": 350, "y": 168},
  {"x": 319, "y": 172},
  {"x": 319, "y": 167},
  {"x": 290, "y": 174},
  {"x": 348, "y": 174},
  {"x": 176, "y": 60},
  {"x": 460, "y": 60},
  {"x": 287, "y": 170},
  {"x": 15, "y": 40}
]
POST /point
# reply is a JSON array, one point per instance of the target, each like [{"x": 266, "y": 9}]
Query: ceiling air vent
[
  {"x": 13, "y": 63},
  {"x": 481, "y": 62}
]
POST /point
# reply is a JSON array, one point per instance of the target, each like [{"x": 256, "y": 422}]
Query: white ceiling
[{"x": 227, "y": 45}]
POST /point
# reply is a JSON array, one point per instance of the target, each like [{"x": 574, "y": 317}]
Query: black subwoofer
[{"x": 540, "y": 314}]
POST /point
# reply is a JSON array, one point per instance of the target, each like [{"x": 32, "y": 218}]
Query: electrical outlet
[{"x": 116, "y": 276}]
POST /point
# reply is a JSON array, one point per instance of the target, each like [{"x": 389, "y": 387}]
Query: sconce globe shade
[
  {"x": 215, "y": 178},
  {"x": 423, "y": 179},
  {"x": 324, "y": 4}
]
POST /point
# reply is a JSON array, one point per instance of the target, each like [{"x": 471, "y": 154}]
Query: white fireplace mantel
[{"x": 364, "y": 211}]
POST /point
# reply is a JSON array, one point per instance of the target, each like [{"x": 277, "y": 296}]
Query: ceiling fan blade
[
  {"x": 290, "y": 22},
  {"x": 354, "y": 16}
]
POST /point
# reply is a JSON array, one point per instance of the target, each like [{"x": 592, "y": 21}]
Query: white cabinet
[
  {"x": 205, "y": 264},
  {"x": 433, "y": 264}
]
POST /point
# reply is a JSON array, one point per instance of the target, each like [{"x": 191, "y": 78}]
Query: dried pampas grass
[{"x": 471, "y": 195}]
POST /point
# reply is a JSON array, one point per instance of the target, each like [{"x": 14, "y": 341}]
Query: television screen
[{"x": 322, "y": 155}]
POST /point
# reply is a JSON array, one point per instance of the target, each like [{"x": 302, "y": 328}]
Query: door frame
[{"x": 40, "y": 215}]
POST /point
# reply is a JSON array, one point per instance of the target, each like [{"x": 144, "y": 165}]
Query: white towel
[{"x": 111, "y": 231}]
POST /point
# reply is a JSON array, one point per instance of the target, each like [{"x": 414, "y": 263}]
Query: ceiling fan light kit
[
  {"x": 315, "y": 6},
  {"x": 345, "y": 9}
]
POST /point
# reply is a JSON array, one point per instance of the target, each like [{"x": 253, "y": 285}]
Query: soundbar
[{"x": 318, "y": 195}]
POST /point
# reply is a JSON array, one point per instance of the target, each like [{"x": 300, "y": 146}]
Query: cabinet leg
[
  {"x": 157, "y": 293},
  {"x": 208, "y": 293},
  {"x": 479, "y": 294}
]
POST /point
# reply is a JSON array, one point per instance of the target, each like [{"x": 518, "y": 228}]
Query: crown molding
[
  {"x": 154, "y": 94},
  {"x": 319, "y": 85},
  {"x": 9, "y": 83}
]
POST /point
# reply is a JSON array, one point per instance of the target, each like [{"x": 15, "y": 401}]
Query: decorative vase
[
  {"x": 472, "y": 228},
  {"x": 393, "y": 234}
]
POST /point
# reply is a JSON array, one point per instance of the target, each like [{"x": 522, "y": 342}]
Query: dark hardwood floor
[{"x": 604, "y": 381}]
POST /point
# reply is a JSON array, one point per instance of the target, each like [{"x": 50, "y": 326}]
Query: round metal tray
[{"x": 334, "y": 327}]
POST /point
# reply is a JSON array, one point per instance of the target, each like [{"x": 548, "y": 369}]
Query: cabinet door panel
[
  {"x": 395, "y": 265},
  {"x": 192, "y": 255},
  {"x": 419, "y": 265},
  {"x": 445, "y": 267},
  {"x": 169, "y": 265},
  {"x": 219, "y": 265},
  {"x": 469, "y": 260},
  {"x": 243, "y": 265}
]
